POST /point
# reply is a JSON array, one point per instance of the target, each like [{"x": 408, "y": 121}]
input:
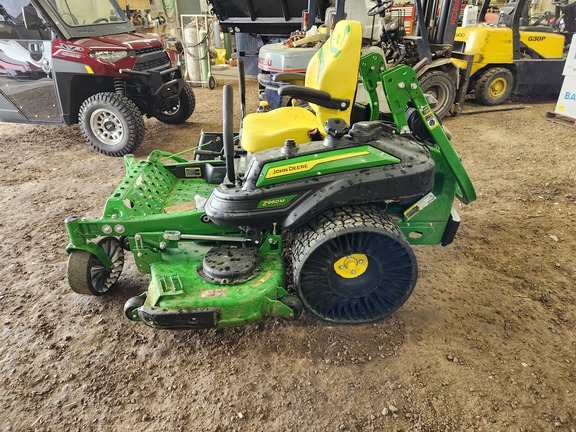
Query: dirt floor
[{"x": 487, "y": 342}]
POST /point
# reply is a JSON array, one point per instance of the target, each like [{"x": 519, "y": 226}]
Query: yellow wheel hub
[
  {"x": 498, "y": 87},
  {"x": 351, "y": 266}
]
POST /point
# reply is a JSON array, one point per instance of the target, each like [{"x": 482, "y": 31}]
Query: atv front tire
[
  {"x": 353, "y": 265},
  {"x": 183, "y": 109},
  {"x": 111, "y": 123},
  {"x": 494, "y": 86}
]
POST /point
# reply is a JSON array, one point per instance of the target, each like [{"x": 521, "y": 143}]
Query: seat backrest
[{"x": 334, "y": 68}]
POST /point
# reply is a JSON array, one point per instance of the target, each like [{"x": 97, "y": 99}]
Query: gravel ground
[{"x": 487, "y": 341}]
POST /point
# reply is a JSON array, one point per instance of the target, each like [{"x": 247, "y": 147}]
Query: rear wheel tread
[{"x": 356, "y": 224}]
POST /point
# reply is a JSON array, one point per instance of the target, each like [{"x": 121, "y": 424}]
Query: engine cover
[{"x": 289, "y": 188}]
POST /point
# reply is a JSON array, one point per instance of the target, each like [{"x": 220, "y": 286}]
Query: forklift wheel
[
  {"x": 353, "y": 265},
  {"x": 294, "y": 303},
  {"x": 494, "y": 86},
  {"x": 87, "y": 275},
  {"x": 182, "y": 110},
  {"x": 440, "y": 85},
  {"x": 111, "y": 123}
]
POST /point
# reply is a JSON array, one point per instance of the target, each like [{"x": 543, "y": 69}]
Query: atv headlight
[{"x": 109, "y": 56}]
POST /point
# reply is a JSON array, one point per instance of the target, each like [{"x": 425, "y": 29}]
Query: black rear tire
[
  {"x": 111, "y": 123},
  {"x": 182, "y": 110},
  {"x": 353, "y": 265},
  {"x": 494, "y": 86},
  {"x": 441, "y": 86}
]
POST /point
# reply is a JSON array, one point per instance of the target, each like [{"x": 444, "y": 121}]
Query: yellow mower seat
[
  {"x": 274, "y": 127},
  {"x": 333, "y": 69}
]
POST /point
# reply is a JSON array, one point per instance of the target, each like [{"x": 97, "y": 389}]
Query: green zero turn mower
[{"x": 210, "y": 233}]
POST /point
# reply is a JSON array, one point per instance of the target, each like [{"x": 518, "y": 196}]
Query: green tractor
[{"x": 354, "y": 199}]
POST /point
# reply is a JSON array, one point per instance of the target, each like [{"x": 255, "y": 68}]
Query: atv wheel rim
[
  {"x": 498, "y": 87},
  {"x": 351, "y": 266},
  {"x": 107, "y": 127},
  {"x": 173, "y": 110}
]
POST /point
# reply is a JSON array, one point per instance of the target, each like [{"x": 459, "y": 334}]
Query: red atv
[{"x": 82, "y": 62}]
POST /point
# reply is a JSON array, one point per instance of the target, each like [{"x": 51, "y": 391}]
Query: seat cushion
[{"x": 261, "y": 131}]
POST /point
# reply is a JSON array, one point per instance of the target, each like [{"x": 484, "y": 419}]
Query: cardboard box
[
  {"x": 566, "y": 104},
  {"x": 570, "y": 66}
]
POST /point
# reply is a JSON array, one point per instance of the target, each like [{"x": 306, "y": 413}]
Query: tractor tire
[
  {"x": 442, "y": 87},
  {"x": 494, "y": 86},
  {"x": 111, "y": 123},
  {"x": 183, "y": 109},
  {"x": 87, "y": 275},
  {"x": 353, "y": 265}
]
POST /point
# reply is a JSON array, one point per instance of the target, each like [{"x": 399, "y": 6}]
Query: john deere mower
[{"x": 354, "y": 188}]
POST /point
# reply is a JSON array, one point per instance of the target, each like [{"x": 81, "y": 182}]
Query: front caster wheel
[
  {"x": 294, "y": 303},
  {"x": 87, "y": 275},
  {"x": 132, "y": 304}
]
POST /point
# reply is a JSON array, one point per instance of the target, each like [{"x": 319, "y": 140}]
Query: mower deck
[{"x": 179, "y": 296}]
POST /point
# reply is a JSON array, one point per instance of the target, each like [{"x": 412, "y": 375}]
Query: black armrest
[
  {"x": 318, "y": 97},
  {"x": 287, "y": 77}
]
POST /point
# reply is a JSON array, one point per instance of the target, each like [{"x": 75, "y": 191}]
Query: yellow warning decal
[
  {"x": 262, "y": 279},
  {"x": 213, "y": 293},
  {"x": 300, "y": 167}
]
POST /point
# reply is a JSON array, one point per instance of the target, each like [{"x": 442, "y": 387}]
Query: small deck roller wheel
[
  {"x": 132, "y": 304},
  {"x": 353, "y": 265},
  {"x": 294, "y": 303},
  {"x": 87, "y": 275}
]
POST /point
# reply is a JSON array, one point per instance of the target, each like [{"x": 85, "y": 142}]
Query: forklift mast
[
  {"x": 437, "y": 21},
  {"x": 516, "y": 15}
]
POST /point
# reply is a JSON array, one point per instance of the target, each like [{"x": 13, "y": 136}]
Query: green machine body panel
[{"x": 299, "y": 168}]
